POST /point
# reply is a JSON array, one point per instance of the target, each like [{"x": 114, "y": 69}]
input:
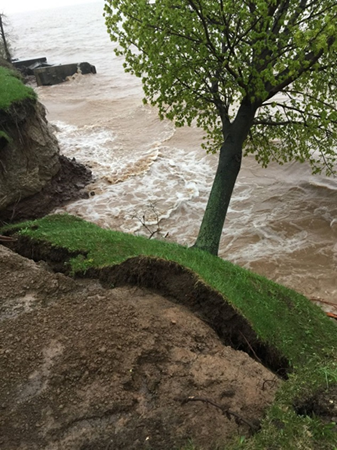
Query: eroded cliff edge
[
  {"x": 29, "y": 152},
  {"x": 34, "y": 177}
]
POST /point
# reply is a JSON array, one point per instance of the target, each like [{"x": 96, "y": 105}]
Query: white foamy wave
[
  {"x": 269, "y": 244},
  {"x": 90, "y": 145},
  {"x": 108, "y": 155},
  {"x": 164, "y": 185},
  {"x": 324, "y": 182}
]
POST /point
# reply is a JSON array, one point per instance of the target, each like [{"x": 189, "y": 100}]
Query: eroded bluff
[{"x": 29, "y": 152}]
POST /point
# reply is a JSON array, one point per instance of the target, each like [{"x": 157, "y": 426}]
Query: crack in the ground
[{"x": 178, "y": 284}]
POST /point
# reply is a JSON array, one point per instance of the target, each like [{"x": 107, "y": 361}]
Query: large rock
[{"x": 29, "y": 152}]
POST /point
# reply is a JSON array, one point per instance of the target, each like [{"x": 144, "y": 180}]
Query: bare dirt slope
[
  {"x": 82, "y": 367},
  {"x": 67, "y": 185}
]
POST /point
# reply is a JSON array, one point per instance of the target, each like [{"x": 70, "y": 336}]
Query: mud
[{"x": 85, "y": 367}]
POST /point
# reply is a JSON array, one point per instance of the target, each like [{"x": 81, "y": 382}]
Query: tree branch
[
  {"x": 310, "y": 57},
  {"x": 224, "y": 409}
]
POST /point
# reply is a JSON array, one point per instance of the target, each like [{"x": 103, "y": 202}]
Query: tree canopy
[{"x": 214, "y": 62}]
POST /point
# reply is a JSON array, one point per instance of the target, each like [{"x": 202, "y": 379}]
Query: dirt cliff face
[{"x": 29, "y": 153}]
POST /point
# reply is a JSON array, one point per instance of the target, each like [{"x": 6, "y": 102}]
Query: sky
[{"x": 15, "y": 6}]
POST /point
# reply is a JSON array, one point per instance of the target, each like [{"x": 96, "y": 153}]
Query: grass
[
  {"x": 281, "y": 317},
  {"x": 5, "y": 136},
  {"x": 12, "y": 89}
]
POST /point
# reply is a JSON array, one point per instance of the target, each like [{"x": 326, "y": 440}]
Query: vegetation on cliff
[
  {"x": 286, "y": 324},
  {"x": 13, "y": 90}
]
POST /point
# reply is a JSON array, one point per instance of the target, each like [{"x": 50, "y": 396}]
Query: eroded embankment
[
  {"x": 176, "y": 283},
  {"x": 29, "y": 157},
  {"x": 34, "y": 177},
  {"x": 82, "y": 366},
  {"x": 67, "y": 185}
]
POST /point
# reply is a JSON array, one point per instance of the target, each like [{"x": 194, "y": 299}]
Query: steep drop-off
[
  {"x": 29, "y": 153},
  {"x": 34, "y": 177}
]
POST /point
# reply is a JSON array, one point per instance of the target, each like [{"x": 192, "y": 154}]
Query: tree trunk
[
  {"x": 223, "y": 185},
  {"x": 3, "y": 35}
]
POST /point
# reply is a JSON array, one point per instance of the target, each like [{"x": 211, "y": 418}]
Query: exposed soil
[
  {"x": 66, "y": 186},
  {"x": 177, "y": 283},
  {"x": 321, "y": 404},
  {"x": 85, "y": 367}
]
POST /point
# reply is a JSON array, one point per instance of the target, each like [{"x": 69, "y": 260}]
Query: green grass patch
[
  {"x": 281, "y": 317},
  {"x": 12, "y": 89},
  {"x": 4, "y": 135}
]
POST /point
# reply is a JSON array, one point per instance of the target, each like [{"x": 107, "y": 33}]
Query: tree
[
  {"x": 4, "y": 46},
  {"x": 221, "y": 63}
]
